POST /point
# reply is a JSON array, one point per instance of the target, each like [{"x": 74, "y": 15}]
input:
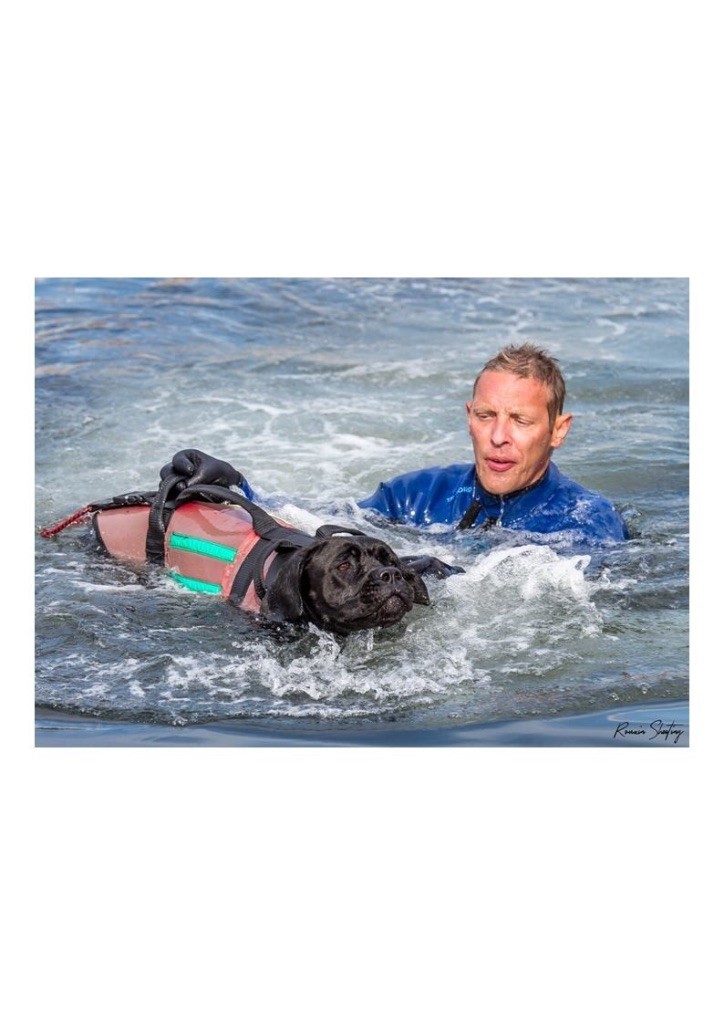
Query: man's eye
[{"x": 344, "y": 567}]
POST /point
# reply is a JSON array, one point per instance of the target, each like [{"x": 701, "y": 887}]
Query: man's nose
[{"x": 499, "y": 433}]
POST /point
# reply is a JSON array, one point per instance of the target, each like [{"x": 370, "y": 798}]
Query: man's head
[{"x": 516, "y": 418}]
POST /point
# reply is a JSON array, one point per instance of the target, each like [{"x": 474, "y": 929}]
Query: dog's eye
[{"x": 344, "y": 567}]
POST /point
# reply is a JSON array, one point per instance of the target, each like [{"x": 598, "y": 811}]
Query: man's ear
[
  {"x": 419, "y": 590},
  {"x": 283, "y": 600},
  {"x": 560, "y": 429}
]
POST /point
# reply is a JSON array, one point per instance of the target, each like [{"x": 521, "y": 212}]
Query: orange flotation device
[
  {"x": 210, "y": 538},
  {"x": 205, "y": 545}
]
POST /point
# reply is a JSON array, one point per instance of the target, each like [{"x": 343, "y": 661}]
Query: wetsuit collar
[
  {"x": 512, "y": 495},
  {"x": 493, "y": 504}
]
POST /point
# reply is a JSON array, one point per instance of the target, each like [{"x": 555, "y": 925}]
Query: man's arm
[
  {"x": 607, "y": 525},
  {"x": 425, "y": 496}
]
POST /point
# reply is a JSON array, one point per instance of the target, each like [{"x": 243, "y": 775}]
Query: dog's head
[{"x": 344, "y": 584}]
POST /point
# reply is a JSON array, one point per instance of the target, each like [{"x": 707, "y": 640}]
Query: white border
[{"x": 391, "y": 139}]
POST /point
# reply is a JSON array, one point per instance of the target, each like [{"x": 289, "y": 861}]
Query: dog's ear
[
  {"x": 283, "y": 600},
  {"x": 419, "y": 590}
]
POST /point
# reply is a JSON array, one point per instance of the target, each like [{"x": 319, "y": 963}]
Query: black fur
[{"x": 343, "y": 584}]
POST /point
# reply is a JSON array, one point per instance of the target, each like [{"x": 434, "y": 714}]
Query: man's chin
[
  {"x": 502, "y": 482},
  {"x": 498, "y": 483}
]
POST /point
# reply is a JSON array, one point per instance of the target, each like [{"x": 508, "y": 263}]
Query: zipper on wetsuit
[
  {"x": 477, "y": 505},
  {"x": 472, "y": 513}
]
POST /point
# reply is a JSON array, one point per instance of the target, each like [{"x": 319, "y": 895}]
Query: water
[{"x": 317, "y": 390}]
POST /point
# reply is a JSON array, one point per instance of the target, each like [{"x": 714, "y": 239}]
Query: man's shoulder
[
  {"x": 437, "y": 488},
  {"x": 565, "y": 486},
  {"x": 460, "y": 474},
  {"x": 587, "y": 509},
  {"x": 458, "y": 471},
  {"x": 424, "y": 496}
]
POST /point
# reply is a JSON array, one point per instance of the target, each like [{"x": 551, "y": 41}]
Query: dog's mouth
[
  {"x": 387, "y": 613},
  {"x": 393, "y": 608}
]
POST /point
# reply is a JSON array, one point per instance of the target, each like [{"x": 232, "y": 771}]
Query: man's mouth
[{"x": 499, "y": 465}]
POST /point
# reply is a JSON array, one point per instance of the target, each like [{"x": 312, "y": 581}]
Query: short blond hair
[{"x": 531, "y": 361}]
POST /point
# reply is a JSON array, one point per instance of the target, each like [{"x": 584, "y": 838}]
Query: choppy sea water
[{"x": 317, "y": 390}]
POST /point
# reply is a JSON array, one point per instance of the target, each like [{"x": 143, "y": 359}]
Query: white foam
[
  {"x": 299, "y": 517},
  {"x": 90, "y": 588},
  {"x": 531, "y": 569}
]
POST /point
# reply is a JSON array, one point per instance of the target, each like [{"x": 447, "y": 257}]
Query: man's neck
[{"x": 521, "y": 490}]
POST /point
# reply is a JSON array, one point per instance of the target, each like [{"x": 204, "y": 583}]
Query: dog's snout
[{"x": 388, "y": 574}]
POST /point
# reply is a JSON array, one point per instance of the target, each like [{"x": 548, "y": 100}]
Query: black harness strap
[
  {"x": 251, "y": 569},
  {"x": 263, "y": 523},
  {"x": 277, "y": 538},
  {"x": 245, "y": 574},
  {"x": 125, "y": 500},
  {"x": 158, "y": 519}
]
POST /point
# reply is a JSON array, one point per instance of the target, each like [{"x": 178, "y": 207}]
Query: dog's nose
[{"x": 388, "y": 574}]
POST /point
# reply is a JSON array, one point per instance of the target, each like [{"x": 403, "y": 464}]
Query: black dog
[{"x": 343, "y": 584}]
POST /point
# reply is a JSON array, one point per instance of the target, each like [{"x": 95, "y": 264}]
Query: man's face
[{"x": 511, "y": 431}]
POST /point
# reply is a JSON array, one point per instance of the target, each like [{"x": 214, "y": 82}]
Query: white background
[{"x": 360, "y": 139}]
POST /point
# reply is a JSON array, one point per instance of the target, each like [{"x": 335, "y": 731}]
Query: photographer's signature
[{"x": 668, "y": 731}]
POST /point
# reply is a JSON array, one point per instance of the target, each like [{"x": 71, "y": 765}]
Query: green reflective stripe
[
  {"x": 202, "y": 547},
  {"x": 199, "y": 585}
]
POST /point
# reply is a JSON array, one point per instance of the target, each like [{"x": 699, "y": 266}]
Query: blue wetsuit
[{"x": 553, "y": 504}]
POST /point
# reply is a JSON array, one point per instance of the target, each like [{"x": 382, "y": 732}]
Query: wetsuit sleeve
[
  {"x": 419, "y": 498},
  {"x": 384, "y": 500},
  {"x": 611, "y": 526},
  {"x": 604, "y": 525},
  {"x": 246, "y": 488}
]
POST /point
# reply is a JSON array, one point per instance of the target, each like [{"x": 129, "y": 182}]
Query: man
[{"x": 516, "y": 421}]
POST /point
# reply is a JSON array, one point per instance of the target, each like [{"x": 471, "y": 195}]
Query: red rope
[{"x": 50, "y": 531}]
